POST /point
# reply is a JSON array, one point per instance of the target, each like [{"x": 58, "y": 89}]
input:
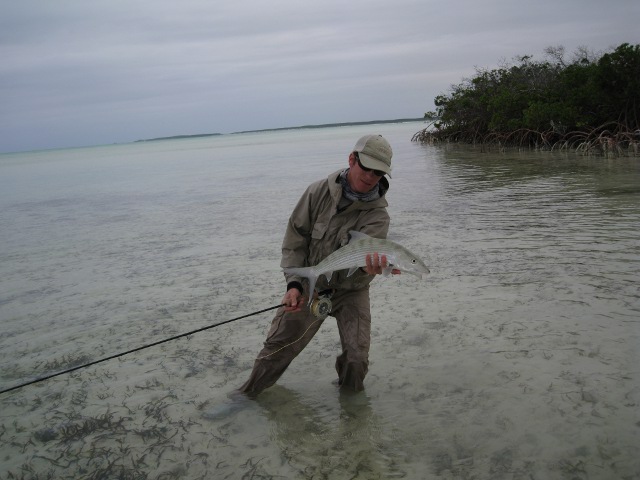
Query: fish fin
[
  {"x": 387, "y": 270},
  {"x": 306, "y": 272},
  {"x": 352, "y": 270},
  {"x": 355, "y": 235},
  {"x": 312, "y": 286}
]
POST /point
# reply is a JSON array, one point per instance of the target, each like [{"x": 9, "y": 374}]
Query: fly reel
[{"x": 321, "y": 307}]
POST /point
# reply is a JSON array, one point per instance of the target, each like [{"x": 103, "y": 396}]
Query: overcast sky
[{"x": 78, "y": 72}]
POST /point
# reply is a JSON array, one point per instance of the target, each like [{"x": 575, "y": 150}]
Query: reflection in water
[{"x": 321, "y": 442}]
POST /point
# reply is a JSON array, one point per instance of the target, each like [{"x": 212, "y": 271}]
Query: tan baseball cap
[{"x": 375, "y": 153}]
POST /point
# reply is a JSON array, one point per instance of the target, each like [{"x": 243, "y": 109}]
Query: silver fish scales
[{"x": 353, "y": 256}]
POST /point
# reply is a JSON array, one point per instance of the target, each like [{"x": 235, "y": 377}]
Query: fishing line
[
  {"x": 295, "y": 341},
  {"x": 73, "y": 369},
  {"x": 319, "y": 308}
]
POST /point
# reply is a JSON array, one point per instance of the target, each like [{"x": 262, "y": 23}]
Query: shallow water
[{"x": 517, "y": 358}]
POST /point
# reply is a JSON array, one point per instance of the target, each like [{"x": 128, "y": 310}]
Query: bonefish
[{"x": 353, "y": 256}]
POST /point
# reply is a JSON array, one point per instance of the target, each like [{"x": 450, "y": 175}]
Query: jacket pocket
[{"x": 319, "y": 229}]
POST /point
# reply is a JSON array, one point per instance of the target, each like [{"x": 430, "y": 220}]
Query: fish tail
[{"x": 307, "y": 272}]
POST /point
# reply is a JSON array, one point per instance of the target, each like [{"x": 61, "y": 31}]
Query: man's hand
[
  {"x": 377, "y": 263},
  {"x": 293, "y": 300}
]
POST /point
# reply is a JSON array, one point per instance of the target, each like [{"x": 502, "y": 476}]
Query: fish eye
[{"x": 413, "y": 261}]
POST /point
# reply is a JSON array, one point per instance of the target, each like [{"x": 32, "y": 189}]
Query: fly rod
[{"x": 111, "y": 357}]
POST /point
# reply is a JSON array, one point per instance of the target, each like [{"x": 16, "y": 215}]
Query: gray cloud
[{"x": 81, "y": 73}]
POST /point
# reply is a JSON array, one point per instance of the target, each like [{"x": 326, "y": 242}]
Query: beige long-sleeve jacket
[{"x": 316, "y": 229}]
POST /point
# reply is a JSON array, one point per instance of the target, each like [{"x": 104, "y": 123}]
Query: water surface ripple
[{"x": 517, "y": 358}]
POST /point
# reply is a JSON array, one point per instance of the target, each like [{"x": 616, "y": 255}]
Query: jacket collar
[{"x": 336, "y": 192}]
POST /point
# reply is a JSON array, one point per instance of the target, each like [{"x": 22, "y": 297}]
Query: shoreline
[{"x": 301, "y": 127}]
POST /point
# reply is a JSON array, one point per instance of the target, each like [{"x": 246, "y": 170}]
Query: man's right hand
[
  {"x": 293, "y": 300},
  {"x": 377, "y": 263}
]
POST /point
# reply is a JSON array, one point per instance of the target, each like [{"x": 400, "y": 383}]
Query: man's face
[{"x": 361, "y": 179}]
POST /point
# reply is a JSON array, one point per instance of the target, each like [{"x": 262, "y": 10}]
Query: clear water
[{"x": 517, "y": 358}]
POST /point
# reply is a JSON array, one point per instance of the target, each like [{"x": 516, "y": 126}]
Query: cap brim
[{"x": 374, "y": 164}]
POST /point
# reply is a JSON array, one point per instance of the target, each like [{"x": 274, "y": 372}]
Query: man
[{"x": 350, "y": 199}]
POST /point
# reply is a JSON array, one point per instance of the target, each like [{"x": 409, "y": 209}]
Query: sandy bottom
[{"x": 456, "y": 389}]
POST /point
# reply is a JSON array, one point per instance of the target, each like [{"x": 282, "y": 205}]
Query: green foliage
[
  {"x": 618, "y": 78},
  {"x": 544, "y": 99}
]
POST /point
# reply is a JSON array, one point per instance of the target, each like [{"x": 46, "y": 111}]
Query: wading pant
[{"x": 291, "y": 332}]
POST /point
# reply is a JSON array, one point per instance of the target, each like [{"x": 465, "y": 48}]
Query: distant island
[
  {"x": 328, "y": 125},
  {"x": 324, "y": 125},
  {"x": 175, "y": 137}
]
